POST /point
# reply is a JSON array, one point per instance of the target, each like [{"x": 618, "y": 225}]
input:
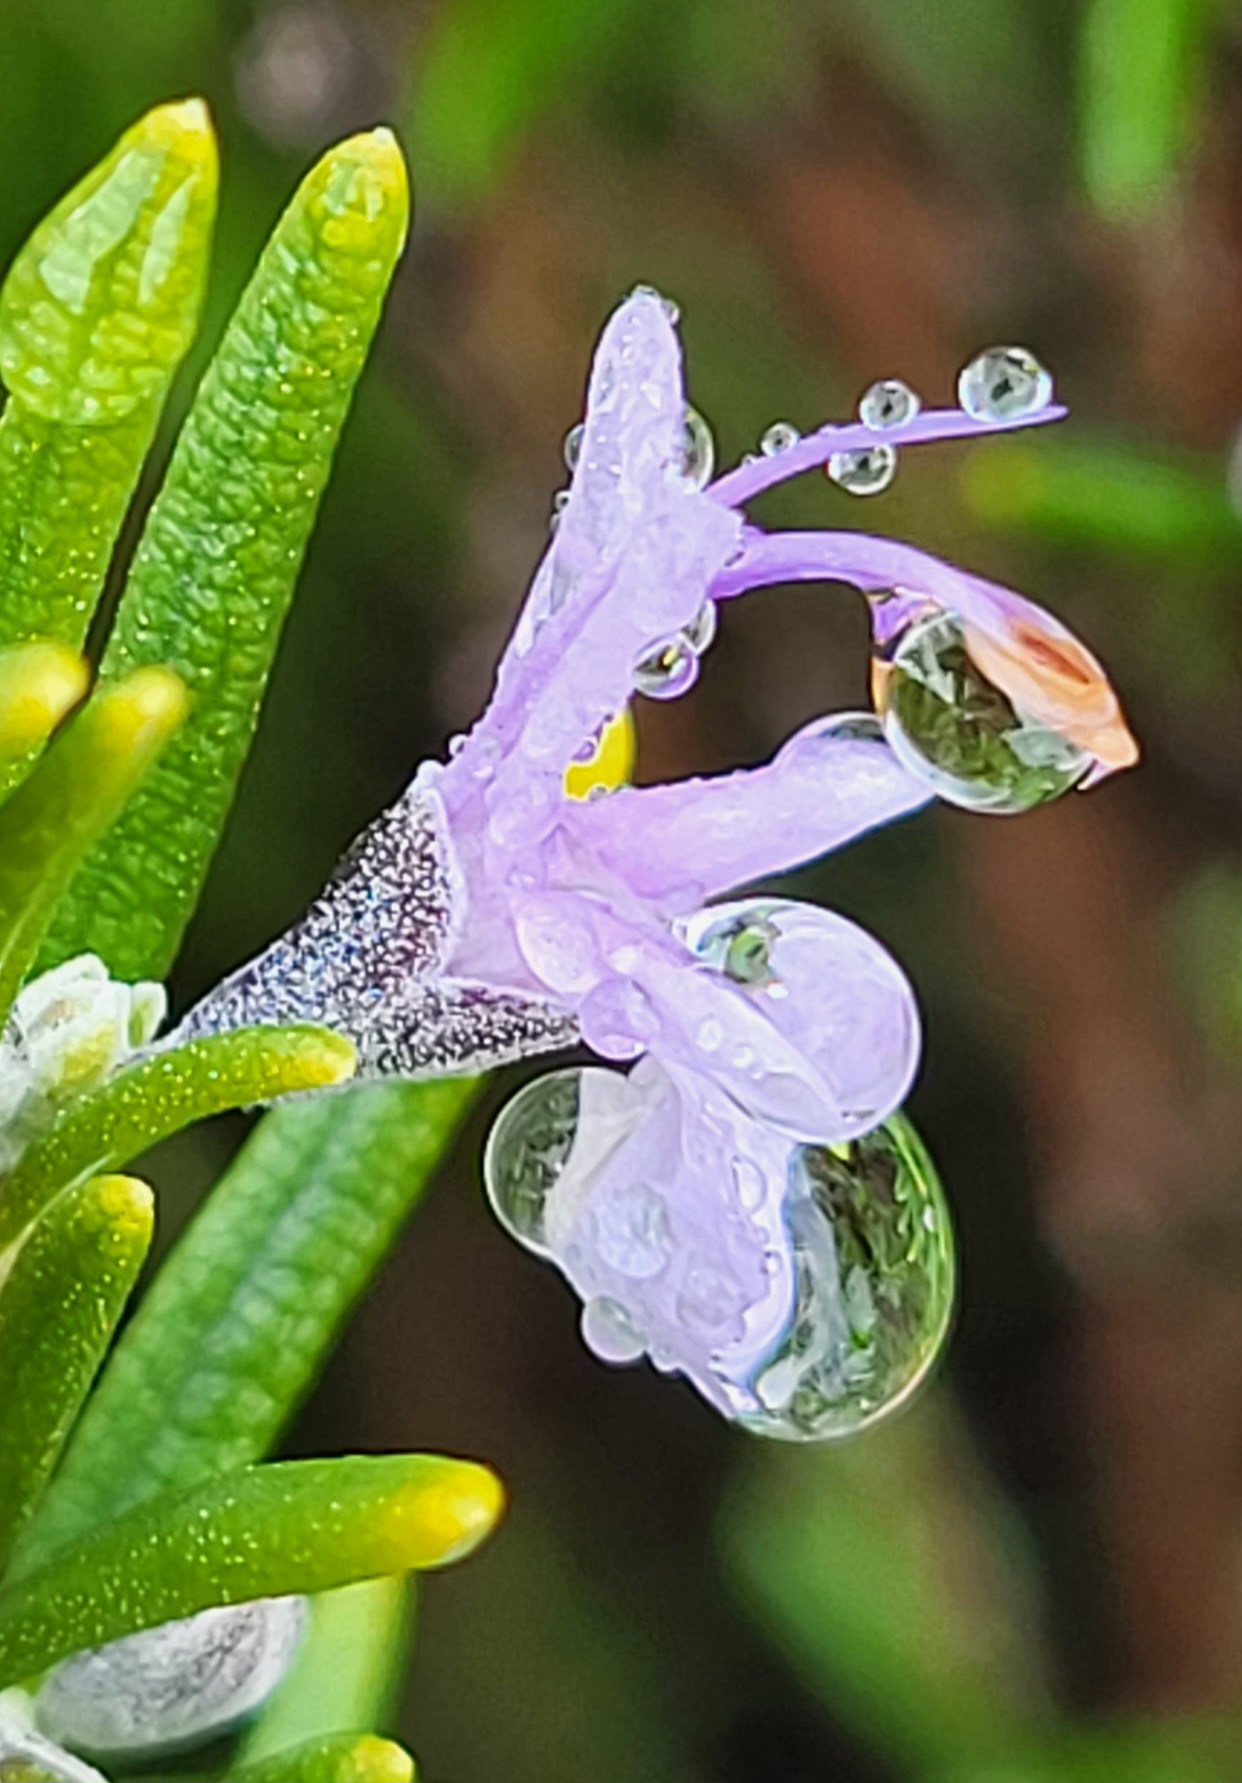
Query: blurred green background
[{"x": 1037, "y": 1573}]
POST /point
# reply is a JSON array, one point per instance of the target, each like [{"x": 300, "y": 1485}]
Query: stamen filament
[{"x": 748, "y": 480}]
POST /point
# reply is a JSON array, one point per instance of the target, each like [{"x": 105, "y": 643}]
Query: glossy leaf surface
[
  {"x": 237, "y": 1325},
  {"x": 219, "y": 557},
  {"x": 69, "y": 801},
  {"x": 61, "y": 1297},
  {"x": 96, "y": 313},
  {"x": 157, "y": 1097},
  {"x": 297, "y": 1526}
]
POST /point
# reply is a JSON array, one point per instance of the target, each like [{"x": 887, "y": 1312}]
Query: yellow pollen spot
[{"x": 612, "y": 763}]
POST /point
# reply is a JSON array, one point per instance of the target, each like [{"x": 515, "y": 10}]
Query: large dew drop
[
  {"x": 527, "y": 1150},
  {"x": 956, "y": 730},
  {"x": 832, "y": 993},
  {"x": 1004, "y": 384},
  {"x": 169, "y": 1688},
  {"x": 874, "y": 1282}
]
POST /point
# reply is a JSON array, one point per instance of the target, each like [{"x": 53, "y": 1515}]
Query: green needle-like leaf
[
  {"x": 40, "y": 683},
  {"x": 96, "y": 313},
  {"x": 346, "y": 1670},
  {"x": 216, "y": 567},
  {"x": 297, "y": 1526},
  {"x": 67, "y": 803},
  {"x": 347, "y": 1758},
  {"x": 61, "y": 1295},
  {"x": 149, "y": 1101},
  {"x": 237, "y": 1325}
]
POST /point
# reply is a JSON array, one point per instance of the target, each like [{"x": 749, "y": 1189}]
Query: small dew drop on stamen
[{"x": 1004, "y": 384}]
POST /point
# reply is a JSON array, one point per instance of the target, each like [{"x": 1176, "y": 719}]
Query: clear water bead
[
  {"x": 699, "y": 451},
  {"x": 866, "y": 472},
  {"x": 888, "y": 403},
  {"x": 670, "y": 670},
  {"x": 827, "y": 987},
  {"x": 1004, "y": 384},
  {"x": 951, "y": 726},
  {"x": 671, "y": 309},
  {"x": 609, "y": 1332},
  {"x": 874, "y": 1271},
  {"x": 779, "y": 438},
  {"x": 527, "y": 1149},
  {"x": 572, "y": 448},
  {"x": 701, "y": 630},
  {"x": 176, "y": 1685}
]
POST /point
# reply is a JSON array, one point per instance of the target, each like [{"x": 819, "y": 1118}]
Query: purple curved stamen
[{"x": 746, "y": 481}]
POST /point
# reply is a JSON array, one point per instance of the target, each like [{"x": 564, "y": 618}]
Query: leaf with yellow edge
[
  {"x": 40, "y": 684},
  {"x": 237, "y": 1325},
  {"x": 96, "y": 313},
  {"x": 218, "y": 561},
  {"x": 294, "y": 1526},
  {"x": 346, "y": 1758},
  {"x": 68, "y": 802},
  {"x": 157, "y": 1097},
  {"x": 345, "y": 1672},
  {"x": 61, "y": 1296}
]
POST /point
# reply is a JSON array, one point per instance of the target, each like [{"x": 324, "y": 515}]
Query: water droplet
[
  {"x": 874, "y": 1283},
  {"x": 827, "y": 988},
  {"x": 865, "y": 472},
  {"x": 527, "y": 1150},
  {"x": 633, "y": 1234},
  {"x": 1004, "y": 384},
  {"x": 779, "y": 438},
  {"x": 842, "y": 727},
  {"x": 739, "y": 943},
  {"x": 456, "y": 744},
  {"x": 958, "y": 732},
  {"x": 181, "y": 1682},
  {"x": 699, "y": 458},
  {"x": 888, "y": 403},
  {"x": 671, "y": 670},
  {"x": 572, "y": 448},
  {"x": 671, "y": 309},
  {"x": 702, "y": 628},
  {"x": 609, "y": 1332}
]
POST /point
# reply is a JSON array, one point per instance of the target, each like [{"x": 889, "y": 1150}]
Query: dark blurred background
[{"x": 1037, "y": 1573}]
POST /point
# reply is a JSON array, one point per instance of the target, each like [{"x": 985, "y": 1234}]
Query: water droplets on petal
[
  {"x": 948, "y": 724},
  {"x": 829, "y": 990},
  {"x": 865, "y": 472},
  {"x": 888, "y": 403},
  {"x": 874, "y": 1283},
  {"x": 699, "y": 450},
  {"x": 609, "y": 1332},
  {"x": 671, "y": 309},
  {"x": 572, "y": 448},
  {"x": 780, "y": 437},
  {"x": 527, "y": 1149},
  {"x": 671, "y": 670},
  {"x": 1004, "y": 384},
  {"x": 701, "y": 631}
]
